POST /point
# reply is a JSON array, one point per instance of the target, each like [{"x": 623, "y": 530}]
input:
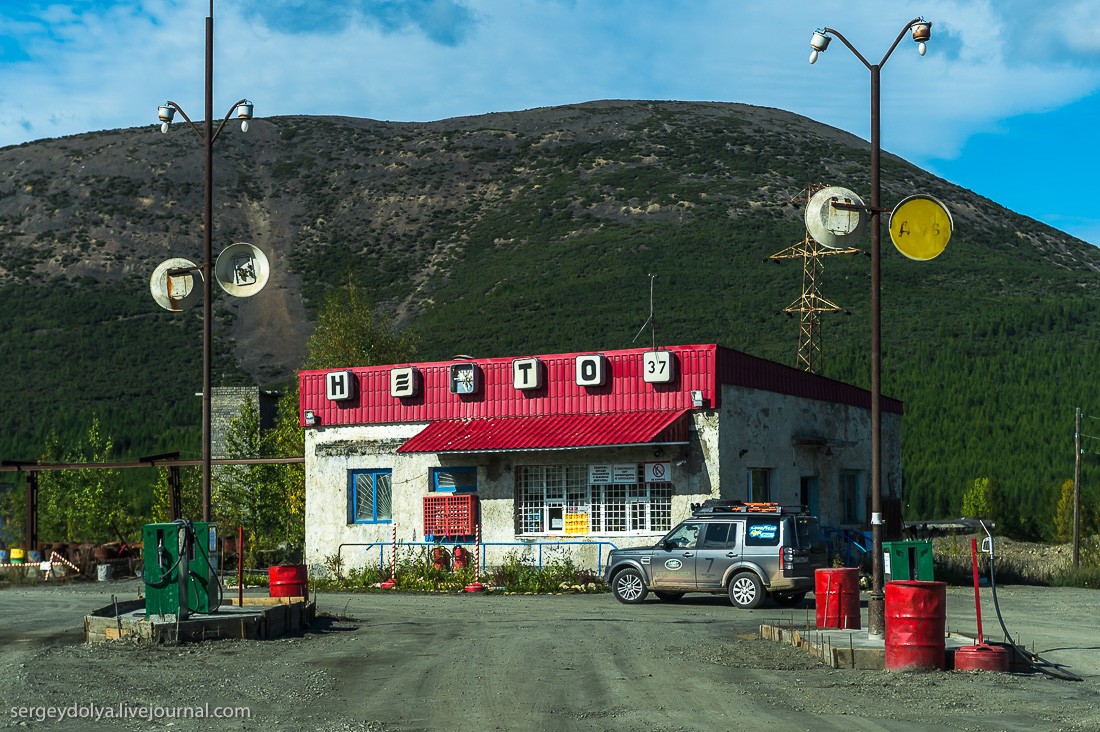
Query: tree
[
  {"x": 82, "y": 505},
  {"x": 1063, "y": 515},
  {"x": 270, "y": 500},
  {"x": 981, "y": 500},
  {"x": 350, "y": 333},
  {"x": 256, "y": 496}
]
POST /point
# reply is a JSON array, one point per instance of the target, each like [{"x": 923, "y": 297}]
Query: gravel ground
[{"x": 384, "y": 662}]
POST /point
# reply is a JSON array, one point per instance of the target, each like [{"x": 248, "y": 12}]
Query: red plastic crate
[{"x": 449, "y": 516}]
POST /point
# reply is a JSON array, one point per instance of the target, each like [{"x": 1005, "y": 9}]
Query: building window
[
  {"x": 370, "y": 494},
  {"x": 559, "y": 499},
  {"x": 454, "y": 480},
  {"x": 851, "y": 494},
  {"x": 760, "y": 484}
]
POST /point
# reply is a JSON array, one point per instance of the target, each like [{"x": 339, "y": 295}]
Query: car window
[
  {"x": 685, "y": 536},
  {"x": 719, "y": 536},
  {"x": 809, "y": 535},
  {"x": 762, "y": 532}
]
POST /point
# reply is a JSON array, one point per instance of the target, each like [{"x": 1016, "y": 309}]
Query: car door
[
  {"x": 717, "y": 551},
  {"x": 673, "y": 563}
]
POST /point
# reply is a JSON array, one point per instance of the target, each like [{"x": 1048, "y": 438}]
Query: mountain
[{"x": 533, "y": 232}]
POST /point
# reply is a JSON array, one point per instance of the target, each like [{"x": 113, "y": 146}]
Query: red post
[
  {"x": 392, "y": 581},
  {"x": 240, "y": 566},
  {"x": 977, "y": 598},
  {"x": 476, "y": 585}
]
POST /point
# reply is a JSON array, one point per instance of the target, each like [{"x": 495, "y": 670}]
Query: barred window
[
  {"x": 370, "y": 496},
  {"x": 551, "y": 499}
]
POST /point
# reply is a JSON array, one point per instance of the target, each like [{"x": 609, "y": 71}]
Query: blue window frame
[
  {"x": 454, "y": 480},
  {"x": 370, "y": 496}
]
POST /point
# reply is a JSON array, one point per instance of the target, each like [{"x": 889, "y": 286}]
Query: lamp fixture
[
  {"x": 819, "y": 42},
  {"x": 311, "y": 418}
]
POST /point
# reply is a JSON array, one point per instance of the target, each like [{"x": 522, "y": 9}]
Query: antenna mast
[
  {"x": 649, "y": 321},
  {"x": 811, "y": 304}
]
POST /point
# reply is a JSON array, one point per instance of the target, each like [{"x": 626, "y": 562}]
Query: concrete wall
[{"x": 762, "y": 429}]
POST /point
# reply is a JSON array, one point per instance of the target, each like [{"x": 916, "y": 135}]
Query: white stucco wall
[{"x": 759, "y": 429}]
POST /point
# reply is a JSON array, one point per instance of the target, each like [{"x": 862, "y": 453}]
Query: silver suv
[{"x": 747, "y": 550}]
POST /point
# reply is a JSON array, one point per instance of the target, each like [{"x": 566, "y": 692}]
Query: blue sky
[{"x": 1005, "y": 102}]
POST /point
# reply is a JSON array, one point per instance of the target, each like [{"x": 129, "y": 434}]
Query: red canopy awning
[{"x": 557, "y": 432}]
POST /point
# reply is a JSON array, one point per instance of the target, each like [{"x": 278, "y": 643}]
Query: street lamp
[
  {"x": 166, "y": 113},
  {"x": 819, "y": 42}
]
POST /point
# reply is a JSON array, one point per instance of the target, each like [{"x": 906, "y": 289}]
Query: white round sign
[
  {"x": 833, "y": 227},
  {"x": 242, "y": 269},
  {"x": 177, "y": 291}
]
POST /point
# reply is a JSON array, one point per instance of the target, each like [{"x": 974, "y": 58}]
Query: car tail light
[{"x": 786, "y": 558}]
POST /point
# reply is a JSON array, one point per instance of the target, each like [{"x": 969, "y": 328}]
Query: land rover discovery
[{"x": 746, "y": 550}]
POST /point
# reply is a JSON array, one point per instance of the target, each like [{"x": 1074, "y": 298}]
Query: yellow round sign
[{"x": 920, "y": 227}]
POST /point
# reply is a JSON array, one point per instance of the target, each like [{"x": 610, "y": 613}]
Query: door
[
  {"x": 716, "y": 553},
  {"x": 674, "y": 568},
  {"x": 810, "y": 494}
]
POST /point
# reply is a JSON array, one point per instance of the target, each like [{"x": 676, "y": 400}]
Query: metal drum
[
  {"x": 836, "y": 594},
  {"x": 916, "y": 616},
  {"x": 288, "y": 580}
]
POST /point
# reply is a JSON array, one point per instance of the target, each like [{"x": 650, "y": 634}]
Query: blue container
[
  {"x": 34, "y": 556},
  {"x": 3, "y": 556}
]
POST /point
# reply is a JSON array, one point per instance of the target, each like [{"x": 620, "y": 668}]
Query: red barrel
[
  {"x": 836, "y": 593},
  {"x": 288, "y": 580},
  {"x": 916, "y": 615},
  {"x": 982, "y": 657}
]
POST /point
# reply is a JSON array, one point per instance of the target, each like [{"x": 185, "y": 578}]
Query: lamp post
[
  {"x": 166, "y": 112},
  {"x": 819, "y": 42}
]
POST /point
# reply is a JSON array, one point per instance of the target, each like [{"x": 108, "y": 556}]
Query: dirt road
[{"x": 389, "y": 662}]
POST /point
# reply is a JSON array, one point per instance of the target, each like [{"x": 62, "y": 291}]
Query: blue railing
[
  {"x": 485, "y": 545},
  {"x": 845, "y": 542}
]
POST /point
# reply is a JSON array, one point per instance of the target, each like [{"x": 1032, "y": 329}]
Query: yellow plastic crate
[{"x": 576, "y": 523}]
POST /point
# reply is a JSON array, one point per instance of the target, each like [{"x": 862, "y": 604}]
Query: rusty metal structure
[
  {"x": 170, "y": 461},
  {"x": 810, "y": 304}
]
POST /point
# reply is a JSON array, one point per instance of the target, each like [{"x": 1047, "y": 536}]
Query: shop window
[
  {"x": 760, "y": 484},
  {"x": 553, "y": 499},
  {"x": 454, "y": 480},
  {"x": 370, "y": 496},
  {"x": 851, "y": 493}
]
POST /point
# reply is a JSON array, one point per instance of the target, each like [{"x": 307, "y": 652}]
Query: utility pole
[{"x": 1077, "y": 491}]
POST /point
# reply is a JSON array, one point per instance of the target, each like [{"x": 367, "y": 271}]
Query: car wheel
[
  {"x": 669, "y": 596},
  {"x": 746, "y": 591},
  {"x": 628, "y": 586},
  {"x": 788, "y": 599}
]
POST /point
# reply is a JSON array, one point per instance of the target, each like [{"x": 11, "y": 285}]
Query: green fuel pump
[{"x": 180, "y": 569}]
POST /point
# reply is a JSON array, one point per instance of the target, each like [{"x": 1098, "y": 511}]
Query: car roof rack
[{"x": 719, "y": 505}]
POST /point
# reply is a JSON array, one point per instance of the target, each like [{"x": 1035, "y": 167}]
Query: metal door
[
  {"x": 717, "y": 551},
  {"x": 673, "y": 568}
]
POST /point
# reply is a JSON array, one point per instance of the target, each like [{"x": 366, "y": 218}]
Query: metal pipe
[
  {"x": 207, "y": 266},
  {"x": 876, "y": 603}
]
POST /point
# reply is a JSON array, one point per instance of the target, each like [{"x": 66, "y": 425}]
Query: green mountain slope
[{"x": 534, "y": 232}]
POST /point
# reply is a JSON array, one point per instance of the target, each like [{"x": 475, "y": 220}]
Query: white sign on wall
[
  {"x": 599, "y": 474},
  {"x": 618, "y": 474},
  {"x": 527, "y": 373},
  {"x": 404, "y": 382},
  {"x": 658, "y": 472},
  {"x": 624, "y": 474},
  {"x": 591, "y": 370},
  {"x": 339, "y": 385},
  {"x": 658, "y": 367}
]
